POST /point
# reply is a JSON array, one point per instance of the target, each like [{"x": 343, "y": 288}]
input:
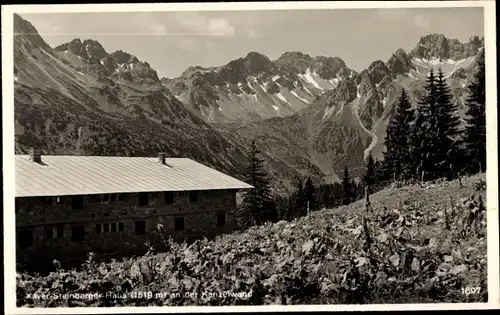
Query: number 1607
[{"x": 471, "y": 290}]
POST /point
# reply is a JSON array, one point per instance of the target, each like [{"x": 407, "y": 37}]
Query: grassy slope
[{"x": 411, "y": 257}]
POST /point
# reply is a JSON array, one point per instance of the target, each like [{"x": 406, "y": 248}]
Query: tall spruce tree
[
  {"x": 369, "y": 176},
  {"x": 475, "y": 131},
  {"x": 300, "y": 203},
  {"x": 258, "y": 201},
  {"x": 346, "y": 187},
  {"x": 447, "y": 153},
  {"x": 397, "y": 158},
  {"x": 423, "y": 134},
  {"x": 310, "y": 194}
]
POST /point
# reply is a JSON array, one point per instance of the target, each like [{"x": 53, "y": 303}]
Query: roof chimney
[
  {"x": 36, "y": 155},
  {"x": 162, "y": 157}
]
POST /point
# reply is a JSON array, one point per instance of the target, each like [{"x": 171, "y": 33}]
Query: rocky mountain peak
[
  {"x": 94, "y": 49},
  {"x": 399, "y": 62},
  {"x": 237, "y": 70},
  {"x": 439, "y": 47},
  {"x": 256, "y": 62},
  {"x": 75, "y": 46},
  {"x": 193, "y": 70},
  {"x": 476, "y": 41},
  {"x": 432, "y": 46},
  {"x": 123, "y": 57},
  {"x": 87, "y": 49},
  {"x": 294, "y": 55},
  {"x": 330, "y": 67},
  {"x": 377, "y": 71},
  {"x": 295, "y": 60},
  {"x": 26, "y": 30}
]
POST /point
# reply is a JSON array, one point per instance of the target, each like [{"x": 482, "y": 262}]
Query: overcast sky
[{"x": 173, "y": 41}]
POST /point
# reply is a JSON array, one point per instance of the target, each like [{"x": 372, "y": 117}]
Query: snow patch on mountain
[
  {"x": 300, "y": 98},
  {"x": 281, "y": 97},
  {"x": 372, "y": 134},
  {"x": 334, "y": 81},
  {"x": 308, "y": 76},
  {"x": 307, "y": 90},
  {"x": 328, "y": 113}
]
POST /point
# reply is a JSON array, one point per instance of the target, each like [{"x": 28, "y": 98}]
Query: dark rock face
[
  {"x": 123, "y": 57},
  {"x": 377, "y": 71},
  {"x": 327, "y": 67},
  {"x": 440, "y": 47},
  {"x": 76, "y": 47},
  {"x": 331, "y": 67},
  {"x": 88, "y": 49},
  {"x": 257, "y": 63},
  {"x": 94, "y": 49},
  {"x": 399, "y": 63},
  {"x": 344, "y": 93},
  {"x": 295, "y": 60}
]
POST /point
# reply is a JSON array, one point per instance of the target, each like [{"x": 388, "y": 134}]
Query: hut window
[
  {"x": 193, "y": 196},
  {"x": 143, "y": 199},
  {"x": 179, "y": 224},
  {"x": 78, "y": 234},
  {"x": 77, "y": 202},
  {"x": 169, "y": 197},
  {"x": 140, "y": 227}
]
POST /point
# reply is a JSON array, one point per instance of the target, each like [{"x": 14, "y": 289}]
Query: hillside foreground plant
[{"x": 423, "y": 243}]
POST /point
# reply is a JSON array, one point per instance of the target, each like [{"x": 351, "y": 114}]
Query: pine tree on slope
[
  {"x": 447, "y": 147},
  {"x": 258, "y": 200},
  {"x": 346, "y": 187},
  {"x": 300, "y": 206},
  {"x": 369, "y": 177},
  {"x": 475, "y": 131},
  {"x": 310, "y": 195},
  {"x": 397, "y": 158},
  {"x": 423, "y": 134}
]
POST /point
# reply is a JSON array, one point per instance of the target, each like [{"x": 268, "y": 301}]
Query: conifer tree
[
  {"x": 327, "y": 195},
  {"x": 258, "y": 201},
  {"x": 369, "y": 177},
  {"x": 397, "y": 158},
  {"x": 447, "y": 122},
  {"x": 338, "y": 194},
  {"x": 423, "y": 134},
  {"x": 346, "y": 188},
  {"x": 300, "y": 206},
  {"x": 475, "y": 131},
  {"x": 310, "y": 194}
]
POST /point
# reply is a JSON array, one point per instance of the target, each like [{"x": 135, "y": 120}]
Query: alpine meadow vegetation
[{"x": 421, "y": 243}]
